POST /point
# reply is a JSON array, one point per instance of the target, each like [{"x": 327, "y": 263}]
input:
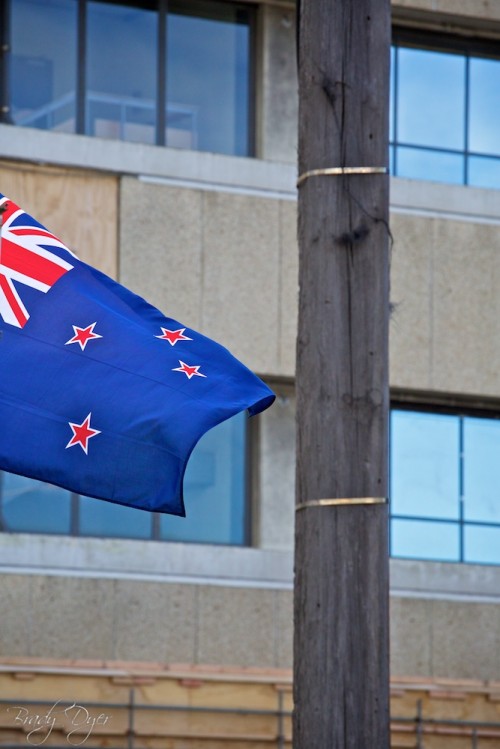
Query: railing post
[
  {"x": 281, "y": 727},
  {"x": 419, "y": 726},
  {"x": 130, "y": 731}
]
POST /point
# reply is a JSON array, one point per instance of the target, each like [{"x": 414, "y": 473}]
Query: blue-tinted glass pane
[
  {"x": 43, "y": 64},
  {"x": 436, "y": 166},
  {"x": 121, "y": 72},
  {"x": 418, "y": 539},
  {"x": 214, "y": 489},
  {"x": 482, "y": 470},
  {"x": 482, "y": 544},
  {"x": 484, "y": 106},
  {"x": 208, "y": 71},
  {"x": 431, "y": 98},
  {"x": 391, "y": 93},
  {"x": 99, "y": 518},
  {"x": 392, "y": 169},
  {"x": 484, "y": 172},
  {"x": 424, "y": 465},
  {"x": 32, "y": 506}
]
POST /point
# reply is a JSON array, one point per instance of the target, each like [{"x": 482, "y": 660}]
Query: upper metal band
[{"x": 336, "y": 170}]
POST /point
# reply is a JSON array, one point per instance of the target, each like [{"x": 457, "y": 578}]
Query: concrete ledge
[
  {"x": 144, "y": 560},
  {"x": 419, "y": 579},
  {"x": 222, "y": 565},
  {"x": 209, "y": 171}
]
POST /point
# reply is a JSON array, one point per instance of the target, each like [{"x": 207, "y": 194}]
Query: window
[
  {"x": 215, "y": 492},
  {"x": 175, "y": 73},
  {"x": 445, "y": 105},
  {"x": 445, "y": 486}
]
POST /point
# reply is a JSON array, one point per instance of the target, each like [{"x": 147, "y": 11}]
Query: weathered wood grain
[{"x": 341, "y": 669}]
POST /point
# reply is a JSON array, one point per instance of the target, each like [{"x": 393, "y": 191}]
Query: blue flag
[{"x": 100, "y": 393}]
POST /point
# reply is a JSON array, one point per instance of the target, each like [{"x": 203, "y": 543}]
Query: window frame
[
  {"x": 434, "y": 41},
  {"x": 460, "y": 410},
  {"x": 161, "y": 9}
]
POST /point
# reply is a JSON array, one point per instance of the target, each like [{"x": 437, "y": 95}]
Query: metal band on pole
[
  {"x": 345, "y": 502},
  {"x": 339, "y": 170}
]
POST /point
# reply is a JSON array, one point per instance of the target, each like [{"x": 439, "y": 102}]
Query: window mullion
[
  {"x": 162, "y": 74},
  {"x": 466, "y": 119},
  {"x": 81, "y": 69}
]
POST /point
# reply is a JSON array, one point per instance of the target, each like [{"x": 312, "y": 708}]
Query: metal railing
[{"x": 473, "y": 734}]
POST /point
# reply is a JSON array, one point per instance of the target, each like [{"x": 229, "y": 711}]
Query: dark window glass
[
  {"x": 42, "y": 65},
  {"x": 208, "y": 56},
  {"x": 104, "y": 68},
  {"x": 121, "y": 72},
  {"x": 215, "y": 494}
]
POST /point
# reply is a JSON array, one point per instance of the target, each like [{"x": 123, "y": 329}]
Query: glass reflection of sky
[
  {"x": 431, "y": 98},
  {"x": 208, "y": 75},
  {"x": 448, "y": 102},
  {"x": 482, "y": 470},
  {"x": 447, "y": 468},
  {"x": 484, "y": 106},
  {"x": 424, "y": 465}
]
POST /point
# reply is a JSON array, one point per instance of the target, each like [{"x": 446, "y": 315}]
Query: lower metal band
[{"x": 345, "y": 502}]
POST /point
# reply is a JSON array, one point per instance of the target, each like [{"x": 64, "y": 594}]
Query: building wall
[{"x": 211, "y": 240}]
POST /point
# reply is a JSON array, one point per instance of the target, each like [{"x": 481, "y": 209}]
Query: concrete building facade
[{"x": 211, "y": 240}]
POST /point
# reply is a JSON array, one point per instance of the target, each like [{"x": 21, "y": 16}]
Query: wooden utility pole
[{"x": 341, "y": 660}]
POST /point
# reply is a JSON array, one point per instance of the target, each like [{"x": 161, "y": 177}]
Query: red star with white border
[
  {"x": 83, "y": 335},
  {"x": 188, "y": 370},
  {"x": 82, "y": 433},
  {"x": 172, "y": 336}
]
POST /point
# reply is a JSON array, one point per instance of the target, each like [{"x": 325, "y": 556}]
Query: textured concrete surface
[
  {"x": 161, "y": 247},
  {"x": 461, "y": 12},
  {"x": 465, "y": 639},
  {"x": 240, "y": 288},
  {"x": 411, "y": 321},
  {"x": 289, "y": 287},
  {"x": 71, "y": 617},
  {"x": 445, "y": 281},
  {"x": 410, "y": 634},
  {"x": 277, "y": 86},
  {"x": 236, "y": 626},
  {"x": 16, "y": 615},
  {"x": 210, "y": 260},
  {"x": 276, "y": 509},
  {"x": 154, "y": 622}
]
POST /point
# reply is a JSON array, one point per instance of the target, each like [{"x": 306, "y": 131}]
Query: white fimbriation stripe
[
  {"x": 6, "y": 311},
  {"x": 22, "y": 278}
]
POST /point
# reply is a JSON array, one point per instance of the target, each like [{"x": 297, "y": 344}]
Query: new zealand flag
[{"x": 100, "y": 393}]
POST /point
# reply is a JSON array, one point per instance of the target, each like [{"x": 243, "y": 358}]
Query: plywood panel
[{"x": 79, "y": 207}]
